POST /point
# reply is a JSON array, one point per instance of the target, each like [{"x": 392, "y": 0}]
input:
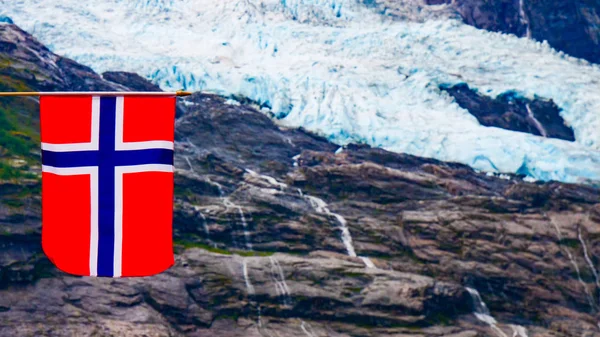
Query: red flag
[{"x": 107, "y": 184}]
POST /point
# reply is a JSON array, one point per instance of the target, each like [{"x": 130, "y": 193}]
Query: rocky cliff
[{"x": 278, "y": 232}]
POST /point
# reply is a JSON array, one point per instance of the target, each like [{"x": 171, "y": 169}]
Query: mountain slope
[
  {"x": 345, "y": 70},
  {"x": 281, "y": 233}
]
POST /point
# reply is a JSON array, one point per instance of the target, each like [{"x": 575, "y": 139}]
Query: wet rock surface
[{"x": 281, "y": 233}]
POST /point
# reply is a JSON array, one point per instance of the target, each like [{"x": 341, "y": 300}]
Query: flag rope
[{"x": 94, "y": 93}]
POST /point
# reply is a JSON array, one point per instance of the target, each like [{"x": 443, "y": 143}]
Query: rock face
[
  {"x": 509, "y": 111},
  {"x": 207, "y": 291},
  {"x": 281, "y": 233},
  {"x": 570, "y": 26},
  {"x": 130, "y": 80}
]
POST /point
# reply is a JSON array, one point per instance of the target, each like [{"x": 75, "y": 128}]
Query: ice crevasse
[{"x": 344, "y": 69}]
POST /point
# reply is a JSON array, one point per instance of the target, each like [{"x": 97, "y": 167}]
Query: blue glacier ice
[
  {"x": 353, "y": 71},
  {"x": 6, "y": 19}
]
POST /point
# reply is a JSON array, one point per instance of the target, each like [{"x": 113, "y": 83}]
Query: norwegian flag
[{"x": 107, "y": 184}]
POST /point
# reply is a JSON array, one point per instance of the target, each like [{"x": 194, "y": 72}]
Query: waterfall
[
  {"x": 280, "y": 285},
  {"x": 575, "y": 265},
  {"x": 321, "y": 207},
  {"x": 295, "y": 160},
  {"x": 206, "y": 178},
  {"x": 250, "y": 291},
  {"x": 245, "y": 224},
  {"x": 187, "y": 159},
  {"x": 588, "y": 259},
  {"x": 197, "y": 209},
  {"x": 318, "y": 204},
  {"x": 217, "y": 185},
  {"x": 518, "y": 331},
  {"x": 537, "y": 123},
  {"x": 307, "y": 329},
  {"x": 229, "y": 205},
  {"x": 268, "y": 179},
  {"x": 204, "y": 224},
  {"x": 227, "y": 202},
  {"x": 249, "y": 286},
  {"x": 524, "y": 18},
  {"x": 482, "y": 313},
  {"x": 346, "y": 237},
  {"x": 368, "y": 262},
  {"x": 289, "y": 141}
]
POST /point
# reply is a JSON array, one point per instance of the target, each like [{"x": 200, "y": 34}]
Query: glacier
[{"x": 344, "y": 69}]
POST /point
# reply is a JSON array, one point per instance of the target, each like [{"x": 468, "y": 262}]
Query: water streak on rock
[
  {"x": 229, "y": 204},
  {"x": 587, "y": 258},
  {"x": 279, "y": 279},
  {"x": 537, "y": 123},
  {"x": 524, "y": 18},
  {"x": 307, "y": 329},
  {"x": 321, "y": 206},
  {"x": 519, "y": 331},
  {"x": 575, "y": 266},
  {"x": 482, "y": 313},
  {"x": 250, "y": 290},
  {"x": 268, "y": 179}
]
